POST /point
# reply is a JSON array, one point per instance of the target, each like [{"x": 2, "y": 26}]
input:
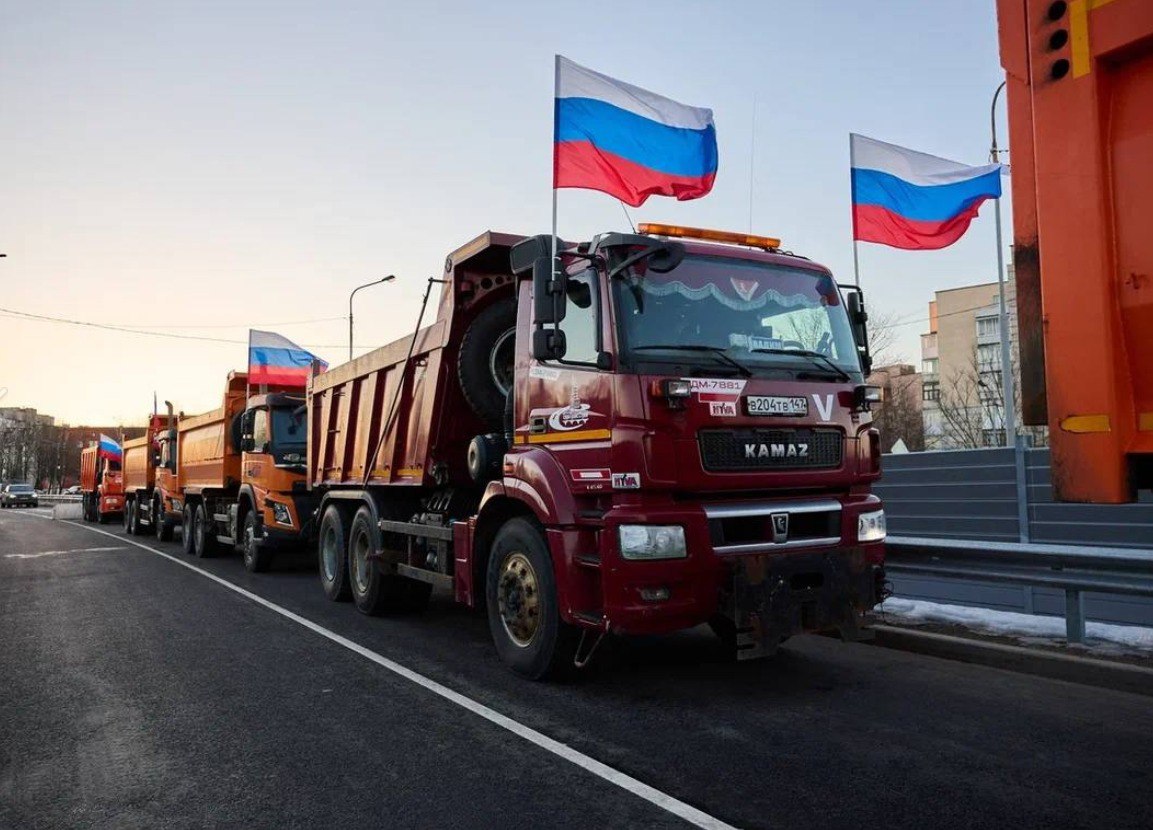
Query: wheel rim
[
  {"x": 360, "y": 562},
  {"x": 518, "y": 599},
  {"x": 500, "y": 361},
  {"x": 329, "y": 555}
]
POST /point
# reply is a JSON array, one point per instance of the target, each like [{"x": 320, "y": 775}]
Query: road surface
[{"x": 137, "y": 692}]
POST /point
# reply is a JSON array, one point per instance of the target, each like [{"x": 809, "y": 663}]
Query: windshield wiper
[
  {"x": 816, "y": 356},
  {"x": 713, "y": 350}
]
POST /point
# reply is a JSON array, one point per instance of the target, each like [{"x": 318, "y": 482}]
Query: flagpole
[
  {"x": 1010, "y": 403},
  {"x": 555, "y": 92},
  {"x": 853, "y": 218}
]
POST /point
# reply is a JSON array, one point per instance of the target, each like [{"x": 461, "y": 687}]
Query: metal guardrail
[
  {"x": 1072, "y": 568},
  {"x": 58, "y": 498}
]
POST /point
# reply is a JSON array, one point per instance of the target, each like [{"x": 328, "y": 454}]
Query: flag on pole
[
  {"x": 628, "y": 142},
  {"x": 912, "y": 200},
  {"x": 276, "y": 361},
  {"x": 108, "y": 448}
]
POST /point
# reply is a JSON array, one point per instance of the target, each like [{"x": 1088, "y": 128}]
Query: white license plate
[{"x": 776, "y": 405}]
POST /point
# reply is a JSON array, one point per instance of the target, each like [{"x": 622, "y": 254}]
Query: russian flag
[
  {"x": 275, "y": 360},
  {"x": 108, "y": 448},
  {"x": 628, "y": 142},
  {"x": 913, "y": 200}
]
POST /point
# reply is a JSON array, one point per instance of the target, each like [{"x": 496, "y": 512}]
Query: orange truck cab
[
  {"x": 101, "y": 486},
  {"x": 239, "y": 474}
]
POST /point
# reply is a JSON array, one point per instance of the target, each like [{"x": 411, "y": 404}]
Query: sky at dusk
[{"x": 199, "y": 168}]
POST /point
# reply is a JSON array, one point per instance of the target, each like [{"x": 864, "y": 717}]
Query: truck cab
[{"x": 274, "y": 441}]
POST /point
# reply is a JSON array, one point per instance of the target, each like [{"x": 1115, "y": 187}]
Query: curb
[{"x": 1084, "y": 670}]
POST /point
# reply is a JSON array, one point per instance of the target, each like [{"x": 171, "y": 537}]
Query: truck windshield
[
  {"x": 769, "y": 318},
  {"x": 289, "y": 431}
]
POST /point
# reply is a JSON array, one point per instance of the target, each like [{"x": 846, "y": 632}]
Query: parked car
[
  {"x": 18, "y": 495},
  {"x": 74, "y": 490}
]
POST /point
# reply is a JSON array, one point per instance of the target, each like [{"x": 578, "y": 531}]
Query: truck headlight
[
  {"x": 871, "y": 526},
  {"x": 280, "y": 513},
  {"x": 652, "y": 542}
]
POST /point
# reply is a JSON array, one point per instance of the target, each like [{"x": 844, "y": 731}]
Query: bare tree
[{"x": 898, "y": 417}]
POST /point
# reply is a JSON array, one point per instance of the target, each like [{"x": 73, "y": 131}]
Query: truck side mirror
[
  {"x": 858, "y": 320},
  {"x": 247, "y": 444},
  {"x": 549, "y": 294},
  {"x": 549, "y": 290}
]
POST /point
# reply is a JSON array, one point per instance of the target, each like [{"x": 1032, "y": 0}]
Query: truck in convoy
[
  {"x": 101, "y": 485},
  {"x": 1079, "y": 80},
  {"x": 148, "y": 480},
  {"x": 239, "y": 474},
  {"x": 663, "y": 429}
]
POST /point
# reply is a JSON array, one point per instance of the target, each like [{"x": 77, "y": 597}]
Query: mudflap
[{"x": 774, "y": 596}]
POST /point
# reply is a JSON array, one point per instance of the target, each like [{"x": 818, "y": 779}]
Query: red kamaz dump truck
[
  {"x": 239, "y": 474},
  {"x": 666, "y": 429},
  {"x": 101, "y": 485}
]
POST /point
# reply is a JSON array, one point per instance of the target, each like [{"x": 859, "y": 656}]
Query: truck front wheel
[
  {"x": 523, "y": 610},
  {"x": 161, "y": 526},
  {"x": 374, "y": 590},
  {"x": 257, "y": 557}
]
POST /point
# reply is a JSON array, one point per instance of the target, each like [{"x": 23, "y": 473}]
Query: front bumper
[{"x": 823, "y": 581}]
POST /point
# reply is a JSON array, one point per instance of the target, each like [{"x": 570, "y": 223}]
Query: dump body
[
  {"x": 427, "y": 428},
  {"x": 760, "y": 477},
  {"x": 207, "y": 458},
  {"x": 1080, "y": 98},
  {"x": 140, "y": 462}
]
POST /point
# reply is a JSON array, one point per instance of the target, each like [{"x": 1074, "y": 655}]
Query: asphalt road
[{"x": 137, "y": 693}]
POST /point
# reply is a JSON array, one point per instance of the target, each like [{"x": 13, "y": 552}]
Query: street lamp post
[
  {"x": 1010, "y": 415},
  {"x": 389, "y": 278}
]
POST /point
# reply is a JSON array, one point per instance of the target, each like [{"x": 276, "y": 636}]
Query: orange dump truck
[
  {"x": 240, "y": 474},
  {"x": 101, "y": 485},
  {"x": 148, "y": 480}
]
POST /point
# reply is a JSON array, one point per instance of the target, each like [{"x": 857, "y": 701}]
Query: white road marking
[
  {"x": 57, "y": 552},
  {"x": 626, "y": 782}
]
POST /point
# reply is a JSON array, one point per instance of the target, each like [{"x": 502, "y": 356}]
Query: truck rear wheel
[
  {"x": 129, "y": 509},
  {"x": 523, "y": 610},
  {"x": 485, "y": 363},
  {"x": 257, "y": 557},
  {"x": 203, "y": 540},
  {"x": 162, "y": 527},
  {"x": 186, "y": 543},
  {"x": 332, "y": 554},
  {"x": 375, "y": 591}
]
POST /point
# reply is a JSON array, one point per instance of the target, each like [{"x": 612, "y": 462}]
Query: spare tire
[{"x": 485, "y": 363}]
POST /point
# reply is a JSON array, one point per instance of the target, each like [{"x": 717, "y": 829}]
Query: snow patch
[{"x": 1024, "y": 627}]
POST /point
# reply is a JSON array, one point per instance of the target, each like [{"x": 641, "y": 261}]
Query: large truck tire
[
  {"x": 186, "y": 543},
  {"x": 162, "y": 527},
  {"x": 375, "y": 591},
  {"x": 332, "y": 553},
  {"x": 485, "y": 363},
  {"x": 129, "y": 509},
  {"x": 522, "y": 603},
  {"x": 102, "y": 517},
  {"x": 257, "y": 557},
  {"x": 203, "y": 539}
]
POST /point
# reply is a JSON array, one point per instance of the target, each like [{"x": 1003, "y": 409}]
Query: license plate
[{"x": 777, "y": 405}]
